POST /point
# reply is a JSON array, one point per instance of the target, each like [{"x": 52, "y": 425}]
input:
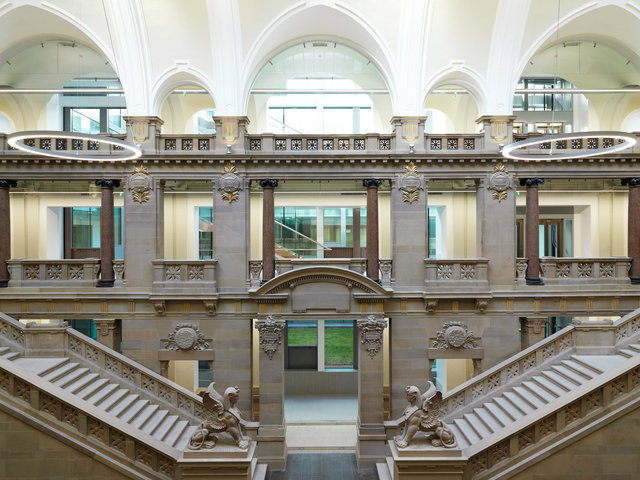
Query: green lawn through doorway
[{"x": 338, "y": 343}]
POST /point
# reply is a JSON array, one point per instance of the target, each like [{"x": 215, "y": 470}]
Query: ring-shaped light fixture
[
  {"x": 129, "y": 152},
  {"x": 511, "y": 151}
]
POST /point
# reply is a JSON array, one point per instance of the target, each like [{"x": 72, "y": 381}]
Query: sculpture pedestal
[
  {"x": 224, "y": 461},
  {"x": 424, "y": 461}
]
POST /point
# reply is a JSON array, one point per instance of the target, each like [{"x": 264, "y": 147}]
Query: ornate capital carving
[
  {"x": 371, "y": 330},
  {"x": 6, "y": 183},
  {"x": 186, "y": 336},
  {"x": 268, "y": 183},
  {"x": 211, "y": 306},
  {"x": 372, "y": 182},
  {"x": 107, "y": 183},
  {"x": 531, "y": 182},
  {"x": 630, "y": 181},
  {"x": 140, "y": 184},
  {"x": 536, "y": 325},
  {"x": 482, "y": 304},
  {"x": 454, "y": 335},
  {"x": 499, "y": 182},
  {"x": 410, "y": 184},
  {"x": 270, "y": 331}
]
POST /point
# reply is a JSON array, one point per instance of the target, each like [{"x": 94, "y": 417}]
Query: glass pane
[
  {"x": 295, "y": 232},
  {"x": 363, "y": 226},
  {"x": 115, "y": 121},
  {"x": 302, "y": 332},
  {"x": 541, "y": 241},
  {"x": 204, "y": 374},
  {"x": 568, "y": 238},
  {"x": 85, "y": 326},
  {"x": 338, "y": 343},
  {"x": 85, "y": 120},
  {"x": 205, "y": 233},
  {"x": 85, "y": 227},
  {"x": 432, "y": 233}
]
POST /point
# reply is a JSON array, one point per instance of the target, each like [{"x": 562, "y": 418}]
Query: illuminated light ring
[
  {"x": 509, "y": 151},
  {"x": 130, "y": 152}
]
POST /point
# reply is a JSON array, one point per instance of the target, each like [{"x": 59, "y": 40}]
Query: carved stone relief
[
  {"x": 270, "y": 334},
  {"x": 455, "y": 335},
  {"x": 371, "y": 330},
  {"x": 140, "y": 184},
  {"x": 410, "y": 184},
  {"x": 186, "y": 336},
  {"x": 499, "y": 182},
  {"x": 230, "y": 183}
]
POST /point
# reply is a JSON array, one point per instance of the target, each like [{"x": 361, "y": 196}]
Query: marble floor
[{"x": 321, "y": 466}]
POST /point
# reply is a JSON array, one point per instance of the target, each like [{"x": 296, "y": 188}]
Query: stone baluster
[
  {"x": 107, "y": 241},
  {"x": 372, "y": 185},
  {"x": 268, "y": 229},
  {"x": 5, "y": 230},
  {"x": 532, "y": 221}
]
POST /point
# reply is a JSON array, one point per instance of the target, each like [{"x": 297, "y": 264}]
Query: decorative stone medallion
[
  {"x": 270, "y": 334},
  {"x": 454, "y": 335},
  {"x": 499, "y": 182},
  {"x": 230, "y": 183},
  {"x": 186, "y": 336},
  {"x": 410, "y": 184},
  {"x": 371, "y": 333},
  {"x": 140, "y": 184}
]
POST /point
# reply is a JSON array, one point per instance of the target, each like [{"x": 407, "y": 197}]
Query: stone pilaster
[
  {"x": 498, "y": 131},
  {"x": 109, "y": 332},
  {"x": 268, "y": 229},
  {"x": 370, "y": 447},
  {"x": 633, "y": 228},
  {"x": 107, "y": 241},
  {"x": 409, "y": 134},
  {"x": 372, "y": 185},
  {"x": 143, "y": 131},
  {"x": 230, "y": 134},
  {"x": 410, "y": 236},
  {"x": 144, "y": 235},
  {"x": 532, "y": 221},
  {"x": 532, "y": 330},
  {"x": 5, "y": 230},
  {"x": 272, "y": 448},
  {"x": 496, "y": 218}
]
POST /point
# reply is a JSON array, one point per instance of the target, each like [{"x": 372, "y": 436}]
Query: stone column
[
  {"x": 107, "y": 242},
  {"x": 272, "y": 448},
  {"x": 268, "y": 229},
  {"x": 633, "y": 228},
  {"x": 532, "y": 221},
  {"x": 144, "y": 235},
  {"x": 532, "y": 330},
  {"x": 109, "y": 332},
  {"x": 370, "y": 447},
  {"x": 410, "y": 236},
  {"x": 372, "y": 185},
  {"x": 5, "y": 230}
]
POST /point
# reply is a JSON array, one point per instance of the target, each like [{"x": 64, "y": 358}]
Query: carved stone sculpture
[
  {"x": 454, "y": 335},
  {"x": 422, "y": 415},
  {"x": 186, "y": 336},
  {"x": 371, "y": 330},
  {"x": 270, "y": 331},
  {"x": 221, "y": 415}
]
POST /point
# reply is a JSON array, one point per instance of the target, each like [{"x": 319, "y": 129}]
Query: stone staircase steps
[
  {"x": 549, "y": 385},
  {"x": 601, "y": 362},
  {"x": 635, "y": 347},
  {"x": 152, "y": 424},
  {"x": 566, "y": 383},
  {"x": 534, "y": 400},
  {"x": 82, "y": 382},
  {"x": 489, "y": 419},
  {"x": 580, "y": 368},
  {"x": 499, "y": 413},
  {"x": 183, "y": 439},
  {"x": 477, "y": 424},
  {"x": 569, "y": 374},
  {"x": 176, "y": 432},
  {"x": 520, "y": 402},
  {"x": 542, "y": 393},
  {"x": 128, "y": 414},
  {"x": 71, "y": 377},
  {"x": 145, "y": 414},
  {"x": 122, "y": 406},
  {"x": 91, "y": 388},
  {"x": 113, "y": 399},
  {"x": 8, "y": 354},
  {"x": 40, "y": 366},
  {"x": 509, "y": 408},
  {"x": 165, "y": 427},
  {"x": 470, "y": 435},
  {"x": 627, "y": 352},
  {"x": 102, "y": 393},
  {"x": 58, "y": 373}
]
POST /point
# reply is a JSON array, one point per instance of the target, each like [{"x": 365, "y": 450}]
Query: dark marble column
[
  {"x": 532, "y": 222},
  {"x": 372, "y": 185},
  {"x": 5, "y": 230},
  {"x": 268, "y": 229},
  {"x": 107, "y": 242},
  {"x": 633, "y": 228}
]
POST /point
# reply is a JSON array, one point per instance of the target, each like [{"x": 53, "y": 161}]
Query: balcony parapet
[
  {"x": 54, "y": 273},
  {"x": 585, "y": 271},
  {"x": 456, "y": 272},
  {"x": 454, "y": 143},
  {"x": 269, "y": 143},
  {"x": 185, "y": 274}
]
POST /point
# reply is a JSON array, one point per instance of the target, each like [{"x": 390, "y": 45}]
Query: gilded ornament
[
  {"x": 140, "y": 184},
  {"x": 230, "y": 183},
  {"x": 410, "y": 184},
  {"x": 499, "y": 182}
]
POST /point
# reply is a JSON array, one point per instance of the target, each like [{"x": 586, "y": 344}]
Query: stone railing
[
  {"x": 601, "y": 399},
  {"x": 12, "y": 333},
  {"x": 84, "y": 424},
  {"x": 271, "y": 143},
  {"x": 53, "y": 273},
  {"x": 186, "y": 144},
  {"x": 86, "y": 147},
  {"x": 474, "y": 391},
  {"x": 468, "y": 272},
  {"x": 568, "y": 271},
  {"x": 184, "y": 274},
  {"x": 572, "y": 145},
  {"x": 627, "y": 328},
  {"x": 453, "y": 143}
]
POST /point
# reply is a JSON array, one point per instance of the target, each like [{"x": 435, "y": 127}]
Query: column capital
[
  {"x": 631, "y": 181},
  {"x": 107, "y": 183},
  {"x": 268, "y": 183},
  {"x": 531, "y": 182},
  {"x": 372, "y": 182},
  {"x": 270, "y": 332},
  {"x": 371, "y": 329},
  {"x": 6, "y": 183}
]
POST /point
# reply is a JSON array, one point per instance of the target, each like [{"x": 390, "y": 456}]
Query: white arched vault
[
  {"x": 463, "y": 76},
  {"x": 175, "y": 77}
]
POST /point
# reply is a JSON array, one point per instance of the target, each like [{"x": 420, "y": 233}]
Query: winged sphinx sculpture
[
  {"x": 423, "y": 414},
  {"x": 222, "y": 415}
]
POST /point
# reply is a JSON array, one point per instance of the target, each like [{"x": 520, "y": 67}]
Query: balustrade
[
  {"x": 464, "y": 272},
  {"x": 184, "y": 274},
  {"x": 568, "y": 271},
  {"x": 454, "y": 143},
  {"x": 54, "y": 273}
]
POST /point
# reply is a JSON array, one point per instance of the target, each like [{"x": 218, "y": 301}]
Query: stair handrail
[
  {"x": 588, "y": 402},
  {"x": 45, "y": 391},
  {"x": 501, "y": 374},
  {"x": 12, "y": 331},
  {"x": 627, "y": 327},
  {"x": 324, "y": 247}
]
